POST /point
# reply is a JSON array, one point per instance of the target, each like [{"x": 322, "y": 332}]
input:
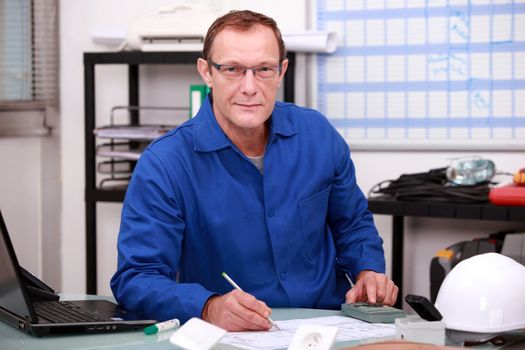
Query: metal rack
[{"x": 133, "y": 60}]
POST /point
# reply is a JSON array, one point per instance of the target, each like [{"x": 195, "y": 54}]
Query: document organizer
[
  {"x": 129, "y": 131},
  {"x": 124, "y": 150},
  {"x": 123, "y": 142},
  {"x": 115, "y": 166}
]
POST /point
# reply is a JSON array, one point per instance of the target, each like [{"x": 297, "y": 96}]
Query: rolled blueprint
[{"x": 311, "y": 41}]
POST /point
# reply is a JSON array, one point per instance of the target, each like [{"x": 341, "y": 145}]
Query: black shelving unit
[
  {"x": 133, "y": 60},
  {"x": 399, "y": 209}
]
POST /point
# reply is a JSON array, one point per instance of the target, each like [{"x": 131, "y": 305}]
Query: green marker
[{"x": 162, "y": 326}]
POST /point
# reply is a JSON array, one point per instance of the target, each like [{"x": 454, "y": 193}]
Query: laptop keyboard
[{"x": 64, "y": 312}]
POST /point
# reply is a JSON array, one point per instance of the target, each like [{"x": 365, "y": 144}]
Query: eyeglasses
[{"x": 231, "y": 71}]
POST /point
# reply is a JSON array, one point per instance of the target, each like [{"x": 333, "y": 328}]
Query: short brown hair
[{"x": 241, "y": 20}]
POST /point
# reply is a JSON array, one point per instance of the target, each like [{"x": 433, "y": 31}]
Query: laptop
[{"x": 28, "y": 304}]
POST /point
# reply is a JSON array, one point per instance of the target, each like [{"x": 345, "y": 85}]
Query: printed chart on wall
[{"x": 444, "y": 72}]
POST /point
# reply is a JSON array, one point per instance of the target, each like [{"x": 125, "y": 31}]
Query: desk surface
[{"x": 11, "y": 338}]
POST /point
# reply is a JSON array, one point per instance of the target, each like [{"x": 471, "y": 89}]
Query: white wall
[
  {"x": 160, "y": 86},
  {"x": 20, "y": 199},
  {"x": 30, "y": 203}
]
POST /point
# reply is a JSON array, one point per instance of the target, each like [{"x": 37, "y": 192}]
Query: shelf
[
  {"x": 139, "y": 57},
  {"x": 103, "y": 195},
  {"x": 390, "y": 206},
  {"x": 132, "y": 132}
]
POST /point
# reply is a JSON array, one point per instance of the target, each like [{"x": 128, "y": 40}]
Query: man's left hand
[{"x": 373, "y": 287}]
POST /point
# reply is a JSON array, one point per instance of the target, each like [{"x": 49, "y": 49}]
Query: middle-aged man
[{"x": 262, "y": 190}]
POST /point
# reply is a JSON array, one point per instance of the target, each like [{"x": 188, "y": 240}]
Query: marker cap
[{"x": 151, "y": 329}]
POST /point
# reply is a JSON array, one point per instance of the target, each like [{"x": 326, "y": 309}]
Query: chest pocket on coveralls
[{"x": 313, "y": 211}]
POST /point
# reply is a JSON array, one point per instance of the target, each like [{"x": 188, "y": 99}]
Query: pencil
[
  {"x": 236, "y": 286},
  {"x": 349, "y": 280}
]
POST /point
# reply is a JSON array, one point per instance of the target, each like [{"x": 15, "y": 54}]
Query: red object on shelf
[{"x": 508, "y": 195}]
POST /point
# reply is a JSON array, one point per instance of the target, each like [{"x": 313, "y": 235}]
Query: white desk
[{"x": 11, "y": 338}]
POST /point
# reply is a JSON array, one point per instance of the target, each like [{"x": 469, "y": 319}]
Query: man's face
[{"x": 244, "y": 103}]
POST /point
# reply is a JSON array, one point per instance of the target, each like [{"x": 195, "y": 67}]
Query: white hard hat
[{"x": 484, "y": 294}]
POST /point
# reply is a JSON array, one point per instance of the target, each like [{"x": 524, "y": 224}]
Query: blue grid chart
[{"x": 422, "y": 70}]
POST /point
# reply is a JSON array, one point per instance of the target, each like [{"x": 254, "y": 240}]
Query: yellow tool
[{"x": 519, "y": 177}]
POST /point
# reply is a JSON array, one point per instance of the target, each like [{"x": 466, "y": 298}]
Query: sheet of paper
[{"x": 349, "y": 329}]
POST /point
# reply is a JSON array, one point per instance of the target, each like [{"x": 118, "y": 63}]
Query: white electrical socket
[{"x": 312, "y": 337}]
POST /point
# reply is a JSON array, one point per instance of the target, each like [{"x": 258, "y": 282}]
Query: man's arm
[
  {"x": 150, "y": 248},
  {"x": 358, "y": 243}
]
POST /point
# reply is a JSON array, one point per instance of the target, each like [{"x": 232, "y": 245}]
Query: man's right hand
[{"x": 237, "y": 311}]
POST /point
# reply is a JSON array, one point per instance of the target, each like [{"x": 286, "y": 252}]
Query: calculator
[{"x": 372, "y": 313}]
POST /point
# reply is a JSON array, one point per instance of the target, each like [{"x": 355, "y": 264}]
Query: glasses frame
[{"x": 245, "y": 69}]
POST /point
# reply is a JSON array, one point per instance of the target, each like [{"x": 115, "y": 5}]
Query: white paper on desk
[
  {"x": 311, "y": 41},
  {"x": 349, "y": 329}
]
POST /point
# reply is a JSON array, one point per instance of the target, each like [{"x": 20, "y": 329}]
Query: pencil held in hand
[{"x": 236, "y": 286}]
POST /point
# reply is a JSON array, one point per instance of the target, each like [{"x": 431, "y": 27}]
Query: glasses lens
[
  {"x": 266, "y": 72},
  {"x": 232, "y": 71}
]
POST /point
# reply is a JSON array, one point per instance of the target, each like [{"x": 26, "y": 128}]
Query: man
[{"x": 262, "y": 190}]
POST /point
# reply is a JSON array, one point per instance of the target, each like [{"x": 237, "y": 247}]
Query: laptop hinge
[{"x": 38, "y": 290}]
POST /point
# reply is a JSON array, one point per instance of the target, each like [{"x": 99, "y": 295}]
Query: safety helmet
[{"x": 484, "y": 294}]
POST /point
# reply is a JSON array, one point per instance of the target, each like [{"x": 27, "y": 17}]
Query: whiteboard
[{"x": 434, "y": 74}]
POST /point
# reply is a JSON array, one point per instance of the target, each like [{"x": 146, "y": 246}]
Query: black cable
[{"x": 430, "y": 186}]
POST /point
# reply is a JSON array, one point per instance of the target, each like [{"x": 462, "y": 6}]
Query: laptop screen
[{"x": 11, "y": 295}]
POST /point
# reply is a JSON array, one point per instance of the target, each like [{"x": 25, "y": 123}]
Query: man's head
[
  {"x": 241, "y": 21},
  {"x": 243, "y": 62}
]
